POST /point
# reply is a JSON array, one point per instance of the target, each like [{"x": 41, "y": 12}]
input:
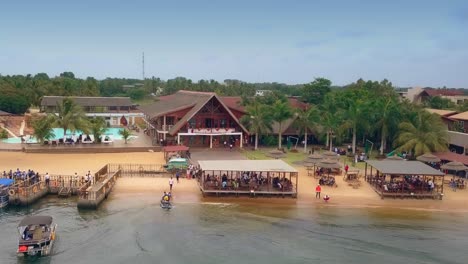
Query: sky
[{"x": 410, "y": 43}]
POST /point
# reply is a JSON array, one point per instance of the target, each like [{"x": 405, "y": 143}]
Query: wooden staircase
[{"x": 65, "y": 192}]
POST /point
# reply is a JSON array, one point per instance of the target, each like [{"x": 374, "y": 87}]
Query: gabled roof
[
  {"x": 443, "y": 92},
  {"x": 246, "y": 165},
  {"x": 88, "y": 101},
  {"x": 183, "y": 100},
  {"x": 450, "y": 156},
  {"x": 441, "y": 112},
  {"x": 460, "y": 116}
]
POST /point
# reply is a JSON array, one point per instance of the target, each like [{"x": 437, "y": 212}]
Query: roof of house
[
  {"x": 183, "y": 100},
  {"x": 404, "y": 167},
  {"x": 175, "y": 148},
  {"x": 3, "y": 113},
  {"x": 444, "y": 92},
  {"x": 451, "y": 156},
  {"x": 88, "y": 101},
  {"x": 441, "y": 112},
  {"x": 460, "y": 116},
  {"x": 246, "y": 165}
]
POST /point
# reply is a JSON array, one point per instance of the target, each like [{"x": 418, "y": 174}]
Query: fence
[{"x": 137, "y": 170}]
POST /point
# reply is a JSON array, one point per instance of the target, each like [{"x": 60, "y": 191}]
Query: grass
[{"x": 261, "y": 154}]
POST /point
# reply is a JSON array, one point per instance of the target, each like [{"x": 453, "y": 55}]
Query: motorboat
[
  {"x": 4, "y": 191},
  {"x": 37, "y": 235}
]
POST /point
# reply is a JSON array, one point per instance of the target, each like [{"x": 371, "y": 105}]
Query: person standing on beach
[
  {"x": 177, "y": 176},
  {"x": 346, "y": 168},
  {"x": 171, "y": 182},
  {"x": 318, "y": 190}
]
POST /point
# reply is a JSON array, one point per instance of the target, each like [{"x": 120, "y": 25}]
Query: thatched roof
[{"x": 88, "y": 101}]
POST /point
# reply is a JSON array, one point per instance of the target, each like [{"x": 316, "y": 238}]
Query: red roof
[
  {"x": 451, "y": 156},
  {"x": 175, "y": 148},
  {"x": 445, "y": 92}
]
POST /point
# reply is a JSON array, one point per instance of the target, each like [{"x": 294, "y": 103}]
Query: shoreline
[{"x": 344, "y": 196}]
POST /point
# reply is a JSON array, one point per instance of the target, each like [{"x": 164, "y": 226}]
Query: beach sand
[{"x": 187, "y": 191}]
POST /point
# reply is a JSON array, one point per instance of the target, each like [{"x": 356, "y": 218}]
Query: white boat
[{"x": 37, "y": 235}]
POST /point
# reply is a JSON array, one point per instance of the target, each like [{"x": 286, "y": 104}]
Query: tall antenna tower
[{"x": 143, "y": 61}]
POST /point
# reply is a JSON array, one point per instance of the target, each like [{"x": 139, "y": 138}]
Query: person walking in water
[
  {"x": 171, "y": 182},
  {"x": 318, "y": 190}
]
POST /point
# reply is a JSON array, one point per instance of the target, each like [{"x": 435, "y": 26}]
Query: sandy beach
[{"x": 187, "y": 190}]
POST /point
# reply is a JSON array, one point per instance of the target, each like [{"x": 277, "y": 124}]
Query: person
[
  {"x": 171, "y": 182},
  {"x": 431, "y": 185},
  {"x": 177, "y": 176},
  {"x": 225, "y": 144},
  {"x": 75, "y": 179},
  {"x": 165, "y": 197},
  {"x": 26, "y": 235},
  {"x": 47, "y": 178},
  {"x": 230, "y": 147},
  {"x": 318, "y": 190},
  {"x": 326, "y": 198},
  {"x": 346, "y": 168}
]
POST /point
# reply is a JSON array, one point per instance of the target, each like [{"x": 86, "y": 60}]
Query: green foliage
[
  {"x": 269, "y": 140},
  {"x": 71, "y": 116},
  {"x": 258, "y": 118},
  {"x": 137, "y": 93},
  {"x": 97, "y": 127},
  {"x": 281, "y": 111},
  {"x": 425, "y": 133},
  {"x": 438, "y": 102},
  {"x": 13, "y": 102},
  {"x": 43, "y": 128},
  {"x": 3, "y": 134},
  {"x": 314, "y": 92},
  {"x": 125, "y": 133}
]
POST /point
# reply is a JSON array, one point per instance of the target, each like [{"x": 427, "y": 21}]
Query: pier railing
[{"x": 137, "y": 170}]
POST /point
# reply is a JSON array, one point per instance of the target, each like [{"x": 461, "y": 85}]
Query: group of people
[
  {"x": 408, "y": 183},
  {"x": 318, "y": 191},
  {"x": 253, "y": 180},
  {"x": 455, "y": 184},
  {"x": 29, "y": 176}
]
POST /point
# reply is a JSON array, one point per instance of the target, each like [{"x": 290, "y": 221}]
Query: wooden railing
[{"x": 137, "y": 169}]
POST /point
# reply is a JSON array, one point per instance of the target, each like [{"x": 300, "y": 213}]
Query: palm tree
[
  {"x": 387, "y": 115},
  {"x": 425, "y": 133},
  {"x": 281, "y": 111},
  {"x": 97, "y": 127},
  {"x": 257, "y": 119},
  {"x": 330, "y": 118},
  {"x": 71, "y": 116},
  {"x": 43, "y": 129},
  {"x": 355, "y": 112},
  {"x": 306, "y": 120},
  {"x": 125, "y": 133}
]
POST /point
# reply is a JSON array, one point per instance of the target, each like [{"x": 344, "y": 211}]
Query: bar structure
[
  {"x": 404, "y": 179},
  {"x": 248, "y": 177}
]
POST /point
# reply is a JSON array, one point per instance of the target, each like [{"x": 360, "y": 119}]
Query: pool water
[{"x": 112, "y": 131}]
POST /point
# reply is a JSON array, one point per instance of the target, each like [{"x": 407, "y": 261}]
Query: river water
[{"x": 130, "y": 228}]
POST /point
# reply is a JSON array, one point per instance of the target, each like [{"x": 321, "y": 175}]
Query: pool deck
[{"x": 141, "y": 144}]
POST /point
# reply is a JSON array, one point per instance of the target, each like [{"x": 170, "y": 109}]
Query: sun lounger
[
  {"x": 106, "y": 139},
  {"x": 86, "y": 140}
]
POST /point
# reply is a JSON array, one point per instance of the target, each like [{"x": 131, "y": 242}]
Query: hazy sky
[{"x": 411, "y": 43}]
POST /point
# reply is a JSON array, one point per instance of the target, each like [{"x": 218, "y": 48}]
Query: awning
[{"x": 175, "y": 148}]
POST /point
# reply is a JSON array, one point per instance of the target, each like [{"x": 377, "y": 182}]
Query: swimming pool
[{"x": 111, "y": 131}]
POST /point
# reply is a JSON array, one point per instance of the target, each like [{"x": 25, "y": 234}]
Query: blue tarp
[{"x": 6, "y": 182}]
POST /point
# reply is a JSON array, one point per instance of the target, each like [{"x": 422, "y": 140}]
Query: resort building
[
  {"x": 456, "y": 96},
  {"x": 203, "y": 119},
  {"x": 117, "y": 111}
]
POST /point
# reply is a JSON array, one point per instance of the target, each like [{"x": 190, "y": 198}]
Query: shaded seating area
[
  {"x": 404, "y": 179},
  {"x": 250, "y": 177},
  {"x": 180, "y": 151}
]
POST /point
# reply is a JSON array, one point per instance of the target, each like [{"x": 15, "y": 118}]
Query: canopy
[
  {"x": 329, "y": 164},
  {"x": 36, "y": 220},
  {"x": 455, "y": 166},
  {"x": 6, "y": 182},
  {"x": 403, "y": 167},
  {"x": 246, "y": 165},
  {"x": 394, "y": 157},
  {"x": 330, "y": 155},
  {"x": 428, "y": 157}
]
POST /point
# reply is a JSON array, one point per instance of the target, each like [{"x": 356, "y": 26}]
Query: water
[
  {"x": 111, "y": 131},
  {"x": 130, "y": 228}
]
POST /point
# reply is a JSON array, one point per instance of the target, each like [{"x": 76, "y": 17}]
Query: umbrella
[
  {"x": 276, "y": 154},
  {"x": 314, "y": 157},
  {"x": 428, "y": 157},
  {"x": 455, "y": 166},
  {"x": 394, "y": 157},
  {"x": 330, "y": 155}
]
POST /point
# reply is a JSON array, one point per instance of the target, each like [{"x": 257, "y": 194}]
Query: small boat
[
  {"x": 4, "y": 188},
  {"x": 37, "y": 235},
  {"x": 166, "y": 205}
]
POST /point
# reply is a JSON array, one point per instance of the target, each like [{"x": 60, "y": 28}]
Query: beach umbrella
[
  {"x": 394, "y": 157},
  {"x": 428, "y": 157},
  {"x": 330, "y": 155},
  {"x": 314, "y": 157},
  {"x": 454, "y": 166},
  {"x": 276, "y": 154},
  {"x": 328, "y": 164}
]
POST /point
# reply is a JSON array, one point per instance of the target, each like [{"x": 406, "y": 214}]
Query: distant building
[
  {"x": 456, "y": 96},
  {"x": 262, "y": 92},
  {"x": 115, "y": 110}
]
